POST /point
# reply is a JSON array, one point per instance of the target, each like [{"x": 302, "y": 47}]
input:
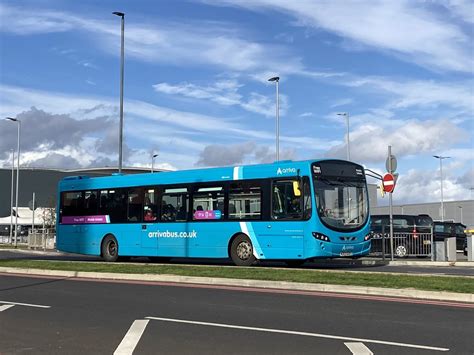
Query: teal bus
[{"x": 289, "y": 210}]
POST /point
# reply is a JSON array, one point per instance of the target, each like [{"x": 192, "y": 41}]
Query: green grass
[{"x": 428, "y": 283}]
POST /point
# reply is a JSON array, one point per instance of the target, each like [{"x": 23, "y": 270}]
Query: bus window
[
  {"x": 174, "y": 205},
  {"x": 135, "y": 204},
  {"x": 72, "y": 203},
  {"x": 208, "y": 203},
  {"x": 285, "y": 205},
  {"x": 113, "y": 203},
  {"x": 150, "y": 207},
  {"x": 307, "y": 198},
  {"x": 245, "y": 201}
]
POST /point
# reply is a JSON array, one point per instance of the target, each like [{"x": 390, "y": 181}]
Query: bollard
[{"x": 470, "y": 248}]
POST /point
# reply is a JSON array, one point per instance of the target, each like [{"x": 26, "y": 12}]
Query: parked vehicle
[
  {"x": 407, "y": 229},
  {"x": 445, "y": 229},
  {"x": 464, "y": 247}
]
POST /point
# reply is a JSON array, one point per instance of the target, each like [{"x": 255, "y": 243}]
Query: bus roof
[{"x": 282, "y": 169}]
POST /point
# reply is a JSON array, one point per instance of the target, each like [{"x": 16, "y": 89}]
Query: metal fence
[
  {"x": 42, "y": 238},
  {"x": 404, "y": 244}
]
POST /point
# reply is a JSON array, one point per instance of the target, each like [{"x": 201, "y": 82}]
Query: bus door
[{"x": 282, "y": 237}]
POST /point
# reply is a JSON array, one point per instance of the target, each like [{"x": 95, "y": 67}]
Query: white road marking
[
  {"x": 131, "y": 339},
  {"x": 6, "y": 306},
  {"x": 25, "y": 304},
  {"x": 358, "y": 349},
  {"x": 316, "y": 335}
]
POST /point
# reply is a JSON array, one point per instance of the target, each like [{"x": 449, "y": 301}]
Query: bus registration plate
[{"x": 346, "y": 253}]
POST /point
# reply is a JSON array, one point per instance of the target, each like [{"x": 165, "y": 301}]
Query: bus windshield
[{"x": 342, "y": 201}]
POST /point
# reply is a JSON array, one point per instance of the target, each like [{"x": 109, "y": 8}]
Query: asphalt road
[
  {"x": 340, "y": 264},
  {"x": 106, "y": 317}
]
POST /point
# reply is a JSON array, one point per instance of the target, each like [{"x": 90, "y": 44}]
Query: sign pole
[{"x": 390, "y": 202}]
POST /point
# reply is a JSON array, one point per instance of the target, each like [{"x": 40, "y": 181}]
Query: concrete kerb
[{"x": 280, "y": 285}]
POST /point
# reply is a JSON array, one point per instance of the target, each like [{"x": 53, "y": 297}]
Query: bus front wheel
[
  {"x": 110, "y": 249},
  {"x": 241, "y": 251}
]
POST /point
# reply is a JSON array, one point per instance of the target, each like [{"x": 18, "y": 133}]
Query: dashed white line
[
  {"x": 358, "y": 349},
  {"x": 25, "y": 304},
  {"x": 6, "y": 306},
  {"x": 291, "y": 332},
  {"x": 131, "y": 339}
]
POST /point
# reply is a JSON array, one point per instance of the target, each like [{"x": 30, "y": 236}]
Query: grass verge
[{"x": 427, "y": 283}]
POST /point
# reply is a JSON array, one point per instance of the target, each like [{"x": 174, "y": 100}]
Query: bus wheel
[
  {"x": 241, "y": 251},
  {"x": 110, "y": 248}
]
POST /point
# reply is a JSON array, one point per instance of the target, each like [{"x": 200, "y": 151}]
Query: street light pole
[
  {"x": 122, "y": 54},
  {"x": 10, "y": 240},
  {"x": 346, "y": 115},
  {"x": 277, "y": 80},
  {"x": 153, "y": 161},
  {"x": 17, "y": 175},
  {"x": 440, "y": 157},
  {"x": 460, "y": 207}
]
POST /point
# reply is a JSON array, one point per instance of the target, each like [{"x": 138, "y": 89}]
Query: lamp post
[
  {"x": 10, "y": 240},
  {"x": 346, "y": 115},
  {"x": 122, "y": 15},
  {"x": 153, "y": 161},
  {"x": 440, "y": 157},
  {"x": 460, "y": 207},
  {"x": 277, "y": 80},
  {"x": 17, "y": 174}
]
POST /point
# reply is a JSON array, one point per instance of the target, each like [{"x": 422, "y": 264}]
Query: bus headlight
[
  {"x": 322, "y": 237},
  {"x": 368, "y": 236}
]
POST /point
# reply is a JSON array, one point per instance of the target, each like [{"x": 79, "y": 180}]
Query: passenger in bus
[{"x": 149, "y": 216}]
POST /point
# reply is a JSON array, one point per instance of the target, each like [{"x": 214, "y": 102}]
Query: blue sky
[{"x": 196, "y": 89}]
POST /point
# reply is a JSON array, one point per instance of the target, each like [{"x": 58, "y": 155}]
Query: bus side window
[
  {"x": 307, "y": 198},
  {"x": 245, "y": 201},
  {"x": 285, "y": 204},
  {"x": 135, "y": 204},
  {"x": 150, "y": 204},
  {"x": 208, "y": 203},
  {"x": 174, "y": 205}
]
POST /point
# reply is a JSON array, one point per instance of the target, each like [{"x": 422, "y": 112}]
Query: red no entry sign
[{"x": 388, "y": 182}]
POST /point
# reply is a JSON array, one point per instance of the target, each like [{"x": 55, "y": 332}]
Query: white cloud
[
  {"x": 369, "y": 142},
  {"x": 226, "y": 93},
  {"x": 199, "y": 43},
  {"x": 306, "y": 114},
  {"x": 405, "y": 28}
]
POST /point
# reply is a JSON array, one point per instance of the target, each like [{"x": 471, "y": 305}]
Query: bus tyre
[
  {"x": 401, "y": 251},
  {"x": 241, "y": 251},
  {"x": 110, "y": 249}
]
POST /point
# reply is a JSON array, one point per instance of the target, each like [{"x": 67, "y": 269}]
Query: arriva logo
[{"x": 281, "y": 171}]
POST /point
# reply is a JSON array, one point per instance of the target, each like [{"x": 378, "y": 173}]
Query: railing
[
  {"x": 42, "y": 238},
  {"x": 404, "y": 244}
]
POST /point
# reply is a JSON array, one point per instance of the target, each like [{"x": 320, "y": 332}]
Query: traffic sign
[
  {"x": 392, "y": 160},
  {"x": 388, "y": 182}
]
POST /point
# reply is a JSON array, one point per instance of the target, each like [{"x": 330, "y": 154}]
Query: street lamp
[
  {"x": 153, "y": 161},
  {"x": 346, "y": 115},
  {"x": 17, "y": 174},
  {"x": 10, "y": 240},
  {"x": 122, "y": 15},
  {"x": 277, "y": 80},
  {"x": 440, "y": 157}
]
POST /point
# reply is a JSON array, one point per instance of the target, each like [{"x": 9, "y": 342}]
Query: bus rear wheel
[
  {"x": 241, "y": 251},
  {"x": 110, "y": 249}
]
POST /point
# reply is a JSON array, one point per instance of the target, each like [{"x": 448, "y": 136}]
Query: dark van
[
  {"x": 409, "y": 224},
  {"x": 445, "y": 229}
]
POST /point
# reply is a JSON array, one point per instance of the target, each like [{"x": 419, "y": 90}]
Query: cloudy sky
[{"x": 196, "y": 89}]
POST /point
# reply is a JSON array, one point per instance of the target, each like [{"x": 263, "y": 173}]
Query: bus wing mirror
[{"x": 296, "y": 188}]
